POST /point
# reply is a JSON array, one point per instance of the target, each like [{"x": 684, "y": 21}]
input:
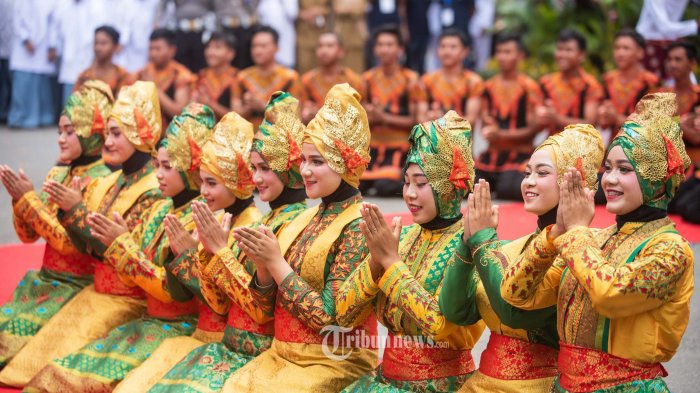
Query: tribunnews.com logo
[{"x": 339, "y": 342}]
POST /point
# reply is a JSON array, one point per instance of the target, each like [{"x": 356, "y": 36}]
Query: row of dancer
[{"x": 145, "y": 287}]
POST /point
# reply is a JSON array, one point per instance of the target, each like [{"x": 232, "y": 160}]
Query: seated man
[
  {"x": 103, "y": 68},
  {"x": 216, "y": 83}
]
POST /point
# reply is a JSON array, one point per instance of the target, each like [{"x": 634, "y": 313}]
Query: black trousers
[
  {"x": 190, "y": 50},
  {"x": 243, "y": 36}
]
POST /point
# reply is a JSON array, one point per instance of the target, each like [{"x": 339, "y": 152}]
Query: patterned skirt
[
  {"x": 38, "y": 296},
  {"x": 101, "y": 364},
  {"x": 377, "y": 382},
  {"x": 656, "y": 385}
]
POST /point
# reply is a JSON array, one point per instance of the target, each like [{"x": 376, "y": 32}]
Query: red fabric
[
  {"x": 516, "y": 222},
  {"x": 406, "y": 361},
  {"x": 509, "y": 358},
  {"x": 290, "y": 329},
  {"x": 15, "y": 260}
]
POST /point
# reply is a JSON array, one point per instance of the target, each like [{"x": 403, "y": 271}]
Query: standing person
[
  {"x": 380, "y": 13},
  {"x": 681, "y": 61},
  {"x": 32, "y": 101},
  {"x": 481, "y": 31},
  {"x": 140, "y": 20},
  {"x": 628, "y": 83},
  {"x": 257, "y": 83},
  {"x": 103, "y": 68},
  {"x": 571, "y": 95},
  {"x": 527, "y": 338},
  {"x": 64, "y": 270},
  {"x": 402, "y": 278},
  {"x": 509, "y": 102},
  {"x": 634, "y": 276},
  {"x": 419, "y": 34},
  {"x": 392, "y": 99},
  {"x": 281, "y": 16},
  {"x": 6, "y": 38},
  {"x": 71, "y": 42},
  {"x": 216, "y": 84},
  {"x": 349, "y": 22},
  {"x": 452, "y": 87},
  {"x": 239, "y": 18},
  {"x": 190, "y": 17},
  {"x": 297, "y": 278},
  {"x": 173, "y": 80},
  {"x": 314, "y": 19},
  {"x": 330, "y": 72},
  {"x": 139, "y": 256},
  {"x": 133, "y": 129},
  {"x": 660, "y": 24}
]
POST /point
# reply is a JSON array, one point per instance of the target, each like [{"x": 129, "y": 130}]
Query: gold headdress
[
  {"x": 88, "y": 109},
  {"x": 137, "y": 111}
]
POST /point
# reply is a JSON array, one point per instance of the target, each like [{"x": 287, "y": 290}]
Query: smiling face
[
  {"x": 170, "y": 182},
  {"x": 451, "y": 51},
  {"x": 68, "y": 142},
  {"x": 568, "y": 55},
  {"x": 620, "y": 183},
  {"x": 217, "y": 53},
  {"x": 215, "y": 192},
  {"x": 319, "y": 179},
  {"x": 627, "y": 53},
  {"x": 263, "y": 49},
  {"x": 418, "y": 195},
  {"x": 539, "y": 187},
  {"x": 117, "y": 148},
  {"x": 266, "y": 180}
]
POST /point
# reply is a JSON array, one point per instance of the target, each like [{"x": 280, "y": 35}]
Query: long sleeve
[
  {"x": 490, "y": 261},
  {"x": 356, "y": 295},
  {"x": 666, "y": 25},
  {"x": 401, "y": 288},
  {"x": 231, "y": 277},
  {"x": 184, "y": 280},
  {"x": 317, "y": 309},
  {"x": 532, "y": 282},
  {"x": 643, "y": 284},
  {"x": 126, "y": 256},
  {"x": 22, "y": 21},
  {"x": 34, "y": 219},
  {"x": 458, "y": 295}
]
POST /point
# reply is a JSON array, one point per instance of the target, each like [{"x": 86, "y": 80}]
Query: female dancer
[
  {"x": 623, "y": 292},
  {"x": 139, "y": 256},
  {"x": 521, "y": 354},
  {"x": 64, "y": 270},
  {"x": 401, "y": 280},
  {"x": 297, "y": 279},
  {"x": 133, "y": 129}
]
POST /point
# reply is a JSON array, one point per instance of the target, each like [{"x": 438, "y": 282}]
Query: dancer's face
[
  {"x": 68, "y": 142},
  {"x": 266, "y": 181},
  {"x": 117, "y": 148},
  {"x": 418, "y": 195},
  {"x": 319, "y": 179},
  {"x": 170, "y": 182},
  {"x": 539, "y": 186},
  {"x": 215, "y": 192},
  {"x": 620, "y": 183}
]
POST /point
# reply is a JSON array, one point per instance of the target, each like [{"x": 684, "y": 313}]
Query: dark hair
[
  {"x": 506, "y": 37},
  {"x": 455, "y": 32},
  {"x": 228, "y": 39},
  {"x": 163, "y": 34},
  {"x": 573, "y": 35},
  {"x": 111, "y": 32},
  {"x": 391, "y": 29},
  {"x": 690, "y": 50},
  {"x": 632, "y": 33},
  {"x": 266, "y": 29},
  {"x": 335, "y": 35}
]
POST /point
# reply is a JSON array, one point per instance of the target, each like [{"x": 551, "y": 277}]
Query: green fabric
[
  {"x": 92, "y": 144},
  {"x": 124, "y": 348},
  {"x": 428, "y": 145},
  {"x": 656, "y": 193},
  {"x": 541, "y": 325},
  {"x": 371, "y": 383},
  {"x": 37, "y": 298},
  {"x": 458, "y": 294},
  {"x": 656, "y": 385},
  {"x": 207, "y": 368}
]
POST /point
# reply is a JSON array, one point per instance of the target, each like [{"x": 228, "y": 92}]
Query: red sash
[
  {"x": 172, "y": 310},
  {"x": 585, "y": 369},
  {"x": 509, "y": 358},
  {"x": 238, "y": 319},
  {"x": 406, "y": 362},
  {"x": 209, "y": 321},
  {"x": 75, "y": 264},
  {"x": 107, "y": 281},
  {"x": 290, "y": 329}
]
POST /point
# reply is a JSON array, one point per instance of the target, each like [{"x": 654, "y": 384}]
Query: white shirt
[
  {"x": 73, "y": 35},
  {"x": 31, "y": 21},
  {"x": 6, "y": 28},
  {"x": 281, "y": 15},
  {"x": 661, "y": 20},
  {"x": 135, "y": 27}
]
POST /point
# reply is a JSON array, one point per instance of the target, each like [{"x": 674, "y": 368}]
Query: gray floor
[{"x": 35, "y": 151}]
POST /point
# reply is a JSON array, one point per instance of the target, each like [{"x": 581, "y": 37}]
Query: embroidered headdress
[
  {"x": 137, "y": 111},
  {"x": 88, "y": 109}
]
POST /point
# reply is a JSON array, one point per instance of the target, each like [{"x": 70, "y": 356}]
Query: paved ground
[{"x": 35, "y": 151}]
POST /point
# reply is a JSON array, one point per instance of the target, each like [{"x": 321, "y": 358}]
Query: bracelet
[{"x": 257, "y": 284}]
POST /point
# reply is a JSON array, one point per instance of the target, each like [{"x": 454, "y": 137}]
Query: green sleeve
[{"x": 458, "y": 294}]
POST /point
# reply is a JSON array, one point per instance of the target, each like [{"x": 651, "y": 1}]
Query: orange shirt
[
  {"x": 117, "y": 78},
  {"x": 252, "y": 80},
  {"x": 167, "y": 79},
  {"x": 218, "y": 87},
  {"x": 570, "y": 95},
  {"x": 316, "y": 87},
  {"x": 624, "y": 96},
  {"x": 452, "y": 94}
]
